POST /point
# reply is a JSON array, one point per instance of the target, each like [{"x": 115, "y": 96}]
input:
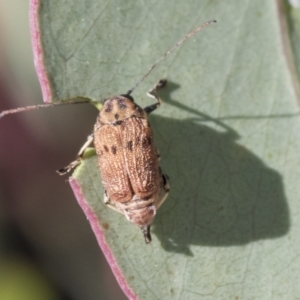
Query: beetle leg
[
  {"x": 79, "y": 156},
  {"x": 106, "y": 198},
  {"x": 166, "y": 189},
  {"x": 153, "y": 94},
  {"x": 146, "y": 233},
  {"x": 110, "y": 204},
  {"x": 158, "y": 154}
]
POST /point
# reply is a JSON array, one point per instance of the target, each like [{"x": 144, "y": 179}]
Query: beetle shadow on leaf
[{"x": 222, "y": 194}]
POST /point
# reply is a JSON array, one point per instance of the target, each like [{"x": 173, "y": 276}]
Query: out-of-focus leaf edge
[
  {"x": 101, "y": 239},
  {"x": 37, "y": 50},
  {"x": 47, "y": 96}
]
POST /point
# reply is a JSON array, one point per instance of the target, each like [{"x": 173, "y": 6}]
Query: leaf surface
[{"x": 228, "y": 133}]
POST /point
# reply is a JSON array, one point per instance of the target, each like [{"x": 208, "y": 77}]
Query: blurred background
[{"x": 47, "y": 248}]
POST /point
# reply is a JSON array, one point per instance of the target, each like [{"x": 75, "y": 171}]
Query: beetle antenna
[
  {"x": 46, "y": 105},
  {"x": 38, "y": 106},
  {"x": 169, "y": 51}
]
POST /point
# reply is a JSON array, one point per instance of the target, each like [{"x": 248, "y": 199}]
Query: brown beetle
[{"x": 127, "y": 157}]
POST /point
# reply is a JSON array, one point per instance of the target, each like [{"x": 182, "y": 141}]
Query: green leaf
[
  {"x": 293, "y": 23},
  {"x": 228, "y": 133}
]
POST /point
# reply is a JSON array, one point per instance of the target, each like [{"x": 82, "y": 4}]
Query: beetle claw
[
  {"x": 68, "y": 168},
  {"x": 146, "y": 233}
]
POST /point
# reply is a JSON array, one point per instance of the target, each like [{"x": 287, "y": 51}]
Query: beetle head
[{"x": 118, "y": 108}]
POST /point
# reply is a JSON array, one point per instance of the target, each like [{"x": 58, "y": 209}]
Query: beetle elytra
[{"x": 127, "y": 157}]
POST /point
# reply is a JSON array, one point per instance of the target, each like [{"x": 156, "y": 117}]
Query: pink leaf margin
[
  {"x": 47, "y": 96},
  {"x": 101, "y": 239},
  {"x": 38, "y": 50}
]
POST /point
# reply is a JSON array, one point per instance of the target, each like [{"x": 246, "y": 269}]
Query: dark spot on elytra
[
  {"x": 116, "y": 116},
  {"x": 138, "y": 139},
  {"x": 108, "y": 107},
  {"x": 118, "y": 122},
  {"x": 146, "y": 141},
  {"x": 121, "y": 103},
  {"x": 129, "y": 145},
  {"x": 106, "y": 148},
  {"x": 114, "y": 149}
]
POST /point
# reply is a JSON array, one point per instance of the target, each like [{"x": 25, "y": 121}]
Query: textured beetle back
[
  {"x": 108, "y": 145},
  {"x": 140, "y": 156}
]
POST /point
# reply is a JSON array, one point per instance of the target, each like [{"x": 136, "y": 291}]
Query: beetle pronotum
[{"x": 127, "y": 157}]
